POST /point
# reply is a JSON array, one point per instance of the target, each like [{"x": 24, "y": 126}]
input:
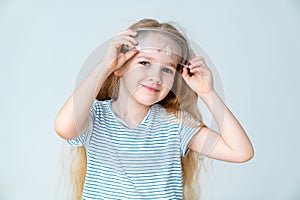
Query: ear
[{"x": 119, "y": 72}]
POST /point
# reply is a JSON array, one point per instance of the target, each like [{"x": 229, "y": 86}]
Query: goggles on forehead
[{"x": 151, "y": 39}]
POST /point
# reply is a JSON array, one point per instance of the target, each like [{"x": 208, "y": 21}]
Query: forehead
[
  {"x": 158, "y": 57},
  {"x": 160, "y": 41}
]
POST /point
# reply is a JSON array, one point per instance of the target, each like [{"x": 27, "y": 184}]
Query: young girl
[{"x": 135, "y": 118}]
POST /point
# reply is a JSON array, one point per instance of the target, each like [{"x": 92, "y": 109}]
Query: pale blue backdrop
[{"x": 254, "y": 44}]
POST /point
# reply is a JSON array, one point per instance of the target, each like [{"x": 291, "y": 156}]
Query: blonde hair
[{"x": 174, "y": 101}]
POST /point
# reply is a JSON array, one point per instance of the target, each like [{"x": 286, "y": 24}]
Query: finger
[
  {"x": 199, "y": 70},
  {"x": 131, "y": 39},
  {"x": 197, "y": 65},
  {"x": 130, "y": 54},
  {"x": 195, "y": 70},
  {"x": 198, "y": 59},
  {"x": 124, "y": 37},
  {"x": 121, "y": 40},
  {"x": 128, "y": 32},
  {"x": 126, "y": 56},
  {"x": 185, "y": 74},
  {"x": 124, "y": 42}
]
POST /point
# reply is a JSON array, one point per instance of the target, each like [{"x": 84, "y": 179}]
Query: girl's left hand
[{"x": 201, "y": 81}]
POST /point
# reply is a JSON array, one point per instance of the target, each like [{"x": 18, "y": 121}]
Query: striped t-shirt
[{"x": 135, "y": 163}]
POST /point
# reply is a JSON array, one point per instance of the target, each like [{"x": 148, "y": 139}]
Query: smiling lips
[{"x": 151, "y": 89}]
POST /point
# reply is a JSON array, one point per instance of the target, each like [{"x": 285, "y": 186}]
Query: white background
[{"x": 254, "y": 44}]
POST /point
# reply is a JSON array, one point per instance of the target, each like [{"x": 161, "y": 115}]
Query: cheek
[
  {"x": 135, "y": 74},
  {"x": 168, "y": 82}
]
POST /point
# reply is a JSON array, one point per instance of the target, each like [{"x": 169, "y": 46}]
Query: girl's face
[{"x": 148, "y": 77}]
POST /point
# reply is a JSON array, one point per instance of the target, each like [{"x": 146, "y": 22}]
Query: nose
[{"x": 155, "y": 74}]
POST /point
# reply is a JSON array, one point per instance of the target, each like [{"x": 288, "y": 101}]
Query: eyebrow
[
  {"x": 152, "y": 59},
  {"x": 147, "y": 57}
]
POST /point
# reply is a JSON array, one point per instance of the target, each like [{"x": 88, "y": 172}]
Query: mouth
[{"x": 150, "y": 89}]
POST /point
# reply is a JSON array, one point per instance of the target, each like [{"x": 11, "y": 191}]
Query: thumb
[
  {"x": 126, "y": 56},
  {"x": 185, "y": 75},
  {"x": 130, "y": 54}
]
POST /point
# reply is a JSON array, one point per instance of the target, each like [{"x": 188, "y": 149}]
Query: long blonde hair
[{"x": 175, "y": 100}]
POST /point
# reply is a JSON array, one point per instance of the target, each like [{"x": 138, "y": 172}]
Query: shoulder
[
  {"x": 98, "y": 104},
  {"x": 100, "y": 108},
  {"x": 159, "y": 109},
  {"x": 179, "y": 115},
  {"x": 165, "y": 116}
]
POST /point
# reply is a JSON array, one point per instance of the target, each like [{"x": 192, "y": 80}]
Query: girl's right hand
[{"x": 113, "y": 57}]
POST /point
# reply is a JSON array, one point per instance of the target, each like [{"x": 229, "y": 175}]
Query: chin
[{"x": 147, "y": 101}]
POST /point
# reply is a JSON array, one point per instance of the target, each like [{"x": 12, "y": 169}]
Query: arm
[
  {"x": 72, "y": 119},
  {"x": 68, "y": 123},
  {"x": 232, "y": 143}
]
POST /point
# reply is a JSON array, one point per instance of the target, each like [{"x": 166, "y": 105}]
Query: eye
[
  {"x": 145, "y": 63},
  {"x": 167, "y": 70}
]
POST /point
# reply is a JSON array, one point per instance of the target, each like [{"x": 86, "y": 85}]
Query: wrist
[
  {"x": 106, "y": 67},
  {"x": 207, "y": 95}
]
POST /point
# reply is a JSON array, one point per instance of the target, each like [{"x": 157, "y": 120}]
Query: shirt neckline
[{"x": 116, "y": 116}]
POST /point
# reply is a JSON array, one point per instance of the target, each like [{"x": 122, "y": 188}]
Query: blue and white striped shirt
[{"x": 139, "y": 163}]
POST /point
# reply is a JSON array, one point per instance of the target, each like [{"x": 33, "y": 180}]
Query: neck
[{"x": 130, "y": 111}]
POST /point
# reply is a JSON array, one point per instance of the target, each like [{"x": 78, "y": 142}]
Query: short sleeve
[
  {"x": 84, "y": 138},
  {"x": 188, "y": 127}
]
